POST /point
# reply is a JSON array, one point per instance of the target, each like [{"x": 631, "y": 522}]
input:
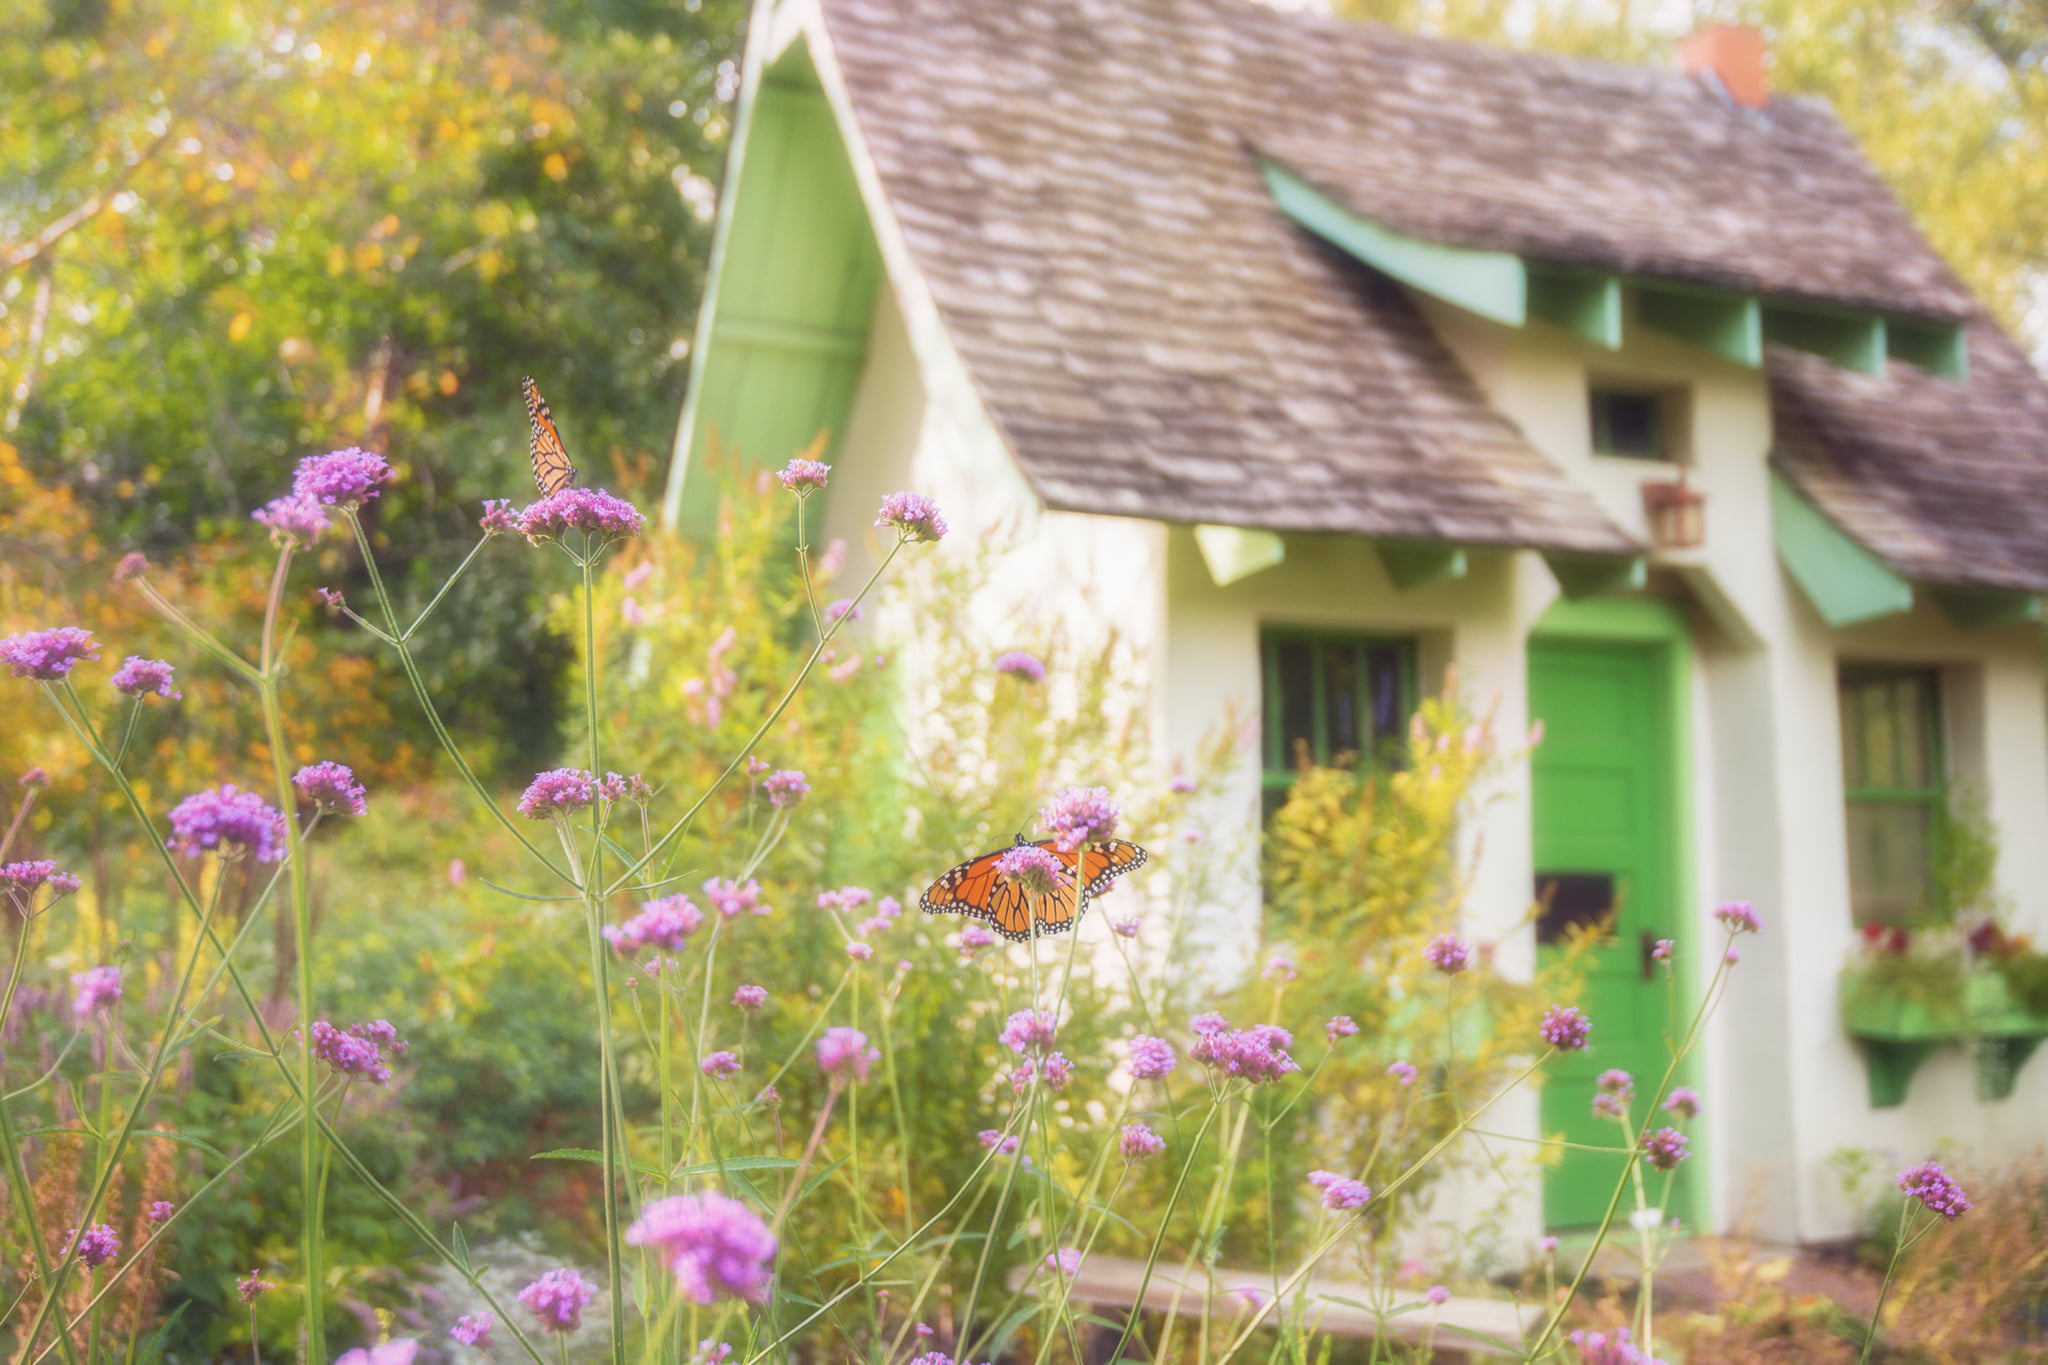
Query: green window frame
[
  {"x": 1333, "y": 696},
  {"x": 1895, "y": 788}
]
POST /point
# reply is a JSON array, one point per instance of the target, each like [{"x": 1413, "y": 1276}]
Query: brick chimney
[{"x": 1736, "y": 55}]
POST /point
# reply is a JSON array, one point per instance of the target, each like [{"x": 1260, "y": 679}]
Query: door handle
[{"x": 1648, "y": 947}]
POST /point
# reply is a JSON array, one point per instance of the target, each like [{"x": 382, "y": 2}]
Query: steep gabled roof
[{"x": 1078, "y": 182}]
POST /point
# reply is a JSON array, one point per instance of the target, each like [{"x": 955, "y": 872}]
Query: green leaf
[
  {"x": 588, "y": 1154},
  {"x": 459, "y": 1245},
  {"x": 737, "y": 1163}
]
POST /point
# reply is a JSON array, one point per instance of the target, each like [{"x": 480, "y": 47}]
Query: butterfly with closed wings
[
  {"x": 980, "y": 891},
  {"x": 552, "y": 471}
]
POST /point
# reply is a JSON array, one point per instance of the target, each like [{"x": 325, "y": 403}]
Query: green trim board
[
  {"x": 1615, "y": 796},
  {"x": 1729, "y": 325},
  {"x": 1412, "y": 564},
  {"x": 791, "y": 298},
  {"x": 1845, "y": 582},
  {"x": 1987, "y": 608},
  {"x": 1492, "y": 284},
  {"x": 1853, "y": 341},
  {"x": 1580, "y": 575},
  {"x": 1937, "y": 347},
  {"x": 1587, "y": 306},
  {"x": 1233, "y": 553}
]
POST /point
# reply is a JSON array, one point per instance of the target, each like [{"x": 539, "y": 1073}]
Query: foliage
[
  {"x": 1965, "y": 861},
  {"x": 1926, "y": 967},
  {"x": 1949, "y": 100}
]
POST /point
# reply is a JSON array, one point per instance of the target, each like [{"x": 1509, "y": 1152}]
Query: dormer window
[{"x": 1632, "y": 423}]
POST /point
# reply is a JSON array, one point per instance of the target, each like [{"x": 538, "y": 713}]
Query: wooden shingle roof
[{"x": 1077, "y": 182}]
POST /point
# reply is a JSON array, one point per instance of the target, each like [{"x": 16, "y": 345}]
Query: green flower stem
[
  {"x": 995, "y": 1221},
  {"x": 28, "y": 801},
  {"x": 803, "y": 558},
  {"x": 1180, "y": 1185},
  {"x": 17, "y": 1172},
  {"x": 433, "y": 714},
  {"x": 612, "y": 1128},
  {"x": 1900, "y": 1244},
  {"x": 312, "y": 1245},
  {"x": 197, "y": 633},
  {"x": 453, "y": 578},
  {"x": 1085, "y": 1244},
  {"x": 886, "y": 1005},
  {"x": 128, "y": 730}
]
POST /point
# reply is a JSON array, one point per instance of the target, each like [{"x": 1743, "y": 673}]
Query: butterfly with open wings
[
  {"x": 552, "y": 471},
  {"x": 978, "y": 890}
]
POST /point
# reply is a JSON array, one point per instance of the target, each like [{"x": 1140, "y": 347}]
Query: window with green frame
[
  {"x": 1331, "y": 698},
  {"x": 1896, "y": 790}
]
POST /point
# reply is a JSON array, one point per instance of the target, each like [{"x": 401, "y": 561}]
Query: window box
[{"x": 1897, "y": 1030}]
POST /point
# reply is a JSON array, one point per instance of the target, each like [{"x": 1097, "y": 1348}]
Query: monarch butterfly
[
  {"x": 552, "y": 471},
  {"x": 975, "y": 889}
]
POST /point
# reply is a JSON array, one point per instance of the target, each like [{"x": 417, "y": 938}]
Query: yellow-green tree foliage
[{"x": 1949, "y": 99}]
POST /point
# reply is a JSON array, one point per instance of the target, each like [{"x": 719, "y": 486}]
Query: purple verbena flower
[
  {"x": 915, "y": 517},
  {"x": 1000, "y": 1143},
  {"x": 733, "y": 898},
  {"x": 1448, "y": 953},
  {"x": 844, "y": 1055},
  {"x": 230, "y": 821},
  {"x": 714, "y": 1245},
  {"x": 1017, "y": 664},
  {"x": 341, "y": 478},
  {"x": 1340, "y": 1026},
  {"x": 160, "y": 1211},
  {"x": 1139, "y": 1142},
  {"x": 1067, "y": 1261},
  {"x": 1402, "y": 1071},
  {"x": 1546, "y": 1245},
  {"x": 1607, "y": 1106},
  {"x": 96, "y": 1246},
  {"x": 1565, "y": 1028},
  {"x": 1935, "y": 1188},
  {"x": 398, "y": 1351},
  {"x": 1438, "y": 1294},
  {"x": 845, "y": 898},
  {"x": 1207, "y": 1023},
  {"x": 842, "y": 607},
  {"x": 975, "y": 936},
  {"x": 662, "y": 923},
  {"x": 1028, "y": 1031},
  {"x": 1684, "y": 1102},
  {"x": 1665, "y": 1148},
  {"x": 253, "y": 1286},
  {"x": 95, "y": 990},
  {"x": 750, "y": 997},
  {"x": 1127, "y": 928},
  {"x": 804, "y": 477},
  {"x": 357, "y": 1050},
  {"x": 1056, "y": 1071},
  {"x": 558, "y": 1299},
  {"x": 47, "y": 655},
  {"x": 711, "y": 1352},
  {"x": 331, "y": 787},
  {"x": 720, "y": 1064},
  {"x": 1740, "y": 917},
  {"x": 22, "y": 879},
  {"x": 1598, "y": 1348},
  {"x": 474, "y": 1329},
  {"x": 1339, "y": 1191},
  {"x": 1038, "y": 871},
  {"x": 558, "y": 791},
  {"x": 131, "y": 565},
  {"x": 786, "y": 788},
  {"x": 138, "y": 677},
  {"x": 769, "y": 1097},
  {"x": 592, "y": 511},
  {"x": 1660, "y": 951},
  {"x": 330, "y": 599},
  {"x": 860, "y": 952},
  {"x": 499, "y": 518},
  {"x": 292, "y": 517},
  {"x": 1181, "y": 784},
  {"x": 1280, "y": 967},
  {"x": 1151, "y": 1058},
  {"x": 1617, "y": 1083},
  {"x": 1078, "y": 816},
  {"x": 1257, "y": 1054}
]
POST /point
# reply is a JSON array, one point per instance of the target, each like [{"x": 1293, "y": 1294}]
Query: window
[
  {"x": 1632, "y": 423},
  {"x": 1892, "y": 779},
  {"x": 1330, "y": 699}
]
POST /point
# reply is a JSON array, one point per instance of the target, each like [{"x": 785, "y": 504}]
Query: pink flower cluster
[
  {"x": 558, "y": 791},
  {"x": 1565, "y": 1028},
  {"x": 1139, "y": 1142},
  {"x": 1935, "y": 1188},
  {"x": 915, "y": 517},
  {"x": 20, "y": 880},
  {"x": 331, "y": 787},
  {"x": 1665, "y": 1148},
  {"x": 844, "y": 1055},
  {"x": 1340, "y": 1192},
  {"x": 1151, "y": 1058},
  {"x": 1029, "y": 1031},
  {"x": 138, "y": 677},
  {"x": 1257, "y": 1054},
  {"x": 474, "y": 1329},
  {"x": 804, "y": 477},
  {"x": 341, "y": 478},
  {"x": 750, "y": 997},
  {"x": 662, "y": 923},
  {"x": 1684, "y": 1102},
  {"x": 1598, "y": 1348},
  {"x": 1740, "y": 917},
  {"x": 1448, "y": 953},
  {"x": 592, "y": 511},
  {"x": 359, "y": 1049},
  {"x": 94, "y": 990},
  {"x": 714, "y": 1245},
  {"x": 1039, "y": 872},
  {"x": 1017, "y": 664},
  {"x": 1079, "y": 815},
  {"x": 786, "y": 788},
  {"x": 230, "y": 821},
  {"x": 734, "y": 898},
  {"x": 558, "y": 1299},
  {"x": 47, "y": 655},
  {"x": 95, "y": 1246}
]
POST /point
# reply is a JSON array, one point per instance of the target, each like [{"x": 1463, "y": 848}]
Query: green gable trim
[
  {"x": 1233, "y": 553},
  {"x": 1729, "y": 325},
  {"x": 1936, "y": 347},
  {"x": 1411, "y": 564},
  {"x": 1845, "y": 582},
  {"x": 1580, "y": 576},
  {"x": 1492, "y": 284},
  {"x": 1987, "y": 608},
  {"x": 792, "y": 292},
  {"x": 1587, "y": 306},
  {"x": 1853, "y": 341}
]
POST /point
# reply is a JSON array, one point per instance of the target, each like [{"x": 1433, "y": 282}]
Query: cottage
[{"x": 1324, "y": 358}]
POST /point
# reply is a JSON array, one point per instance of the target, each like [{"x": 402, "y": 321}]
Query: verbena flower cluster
[
  {"x": 474, "y": 1329},
  {"x": 96, "y": 1246},
  {"x": 1935, "y": 1188},
  {"x": 1740, "y": 917},
  {"x": 47, "y": 655},
  {"x": 1665, "y": 1148},
  {"x": 1257, "y": 1054},
  {"x": 1151, "y": 1058},
  {"x": 1033, "y": 868},
  {"x": 1618, "y": 1348},
  {"x": 1017, "y": 664},
  {"x": 732, "y": 898},
  {"x": 558, "y": 1299},
  {"x": 844, "y": 1055},
  {"x": 21, "y": 879},
  {"x": 713, "y": 1245},
  {"x": 662, "y": 923},
  {"x": 331, "y": 787},
  {"x": 1079, "y": 815},
  {"x": 1683, "y": 1101},
  {"x": 1565, "y": 1028},
  {"x": 804, "y": 477},
  {"x": 94, "y": 990},
  {"x": 1339, "y": 1191},
  {"x": 358, "y": 1050},
  {"x": 786, "y": 788},
  {"x": 915, "y": 517},
  {"x": 1029, "y": 1031},
  {"x": 342, "y": 478},
  {"x": 1448, "y": 953},
  {"x": 558, "y": 791},
  {"x": 139, "y": 677},
  {"x": 229, "y": 821},
  {"x": 592, "y": 511},
  {"x": 1137, "y": 1142}
]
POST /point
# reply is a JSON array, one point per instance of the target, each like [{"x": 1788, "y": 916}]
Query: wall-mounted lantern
[{"x": 1677, "y": 513}]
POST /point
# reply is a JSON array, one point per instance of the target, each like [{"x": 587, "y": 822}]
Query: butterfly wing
[{"x": 552, "y": 471}]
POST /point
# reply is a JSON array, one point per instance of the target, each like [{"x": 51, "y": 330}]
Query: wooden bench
[{"x": 1111, "y": 1282}]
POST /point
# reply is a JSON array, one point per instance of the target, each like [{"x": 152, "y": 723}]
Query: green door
[{"x": 1605, "y": 840}]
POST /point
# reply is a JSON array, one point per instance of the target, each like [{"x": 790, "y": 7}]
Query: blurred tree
[
  {"x": 1948, "y": 97},
  {"x": 233, "y": 234}
]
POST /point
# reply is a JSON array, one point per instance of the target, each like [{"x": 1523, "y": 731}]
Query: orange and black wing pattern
[
  {"x": 977, "y": 890},
  {"x": 552, "y": 471}
]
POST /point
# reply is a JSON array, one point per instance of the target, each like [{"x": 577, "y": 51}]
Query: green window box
[{"x": 1897, "y": 1032}]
